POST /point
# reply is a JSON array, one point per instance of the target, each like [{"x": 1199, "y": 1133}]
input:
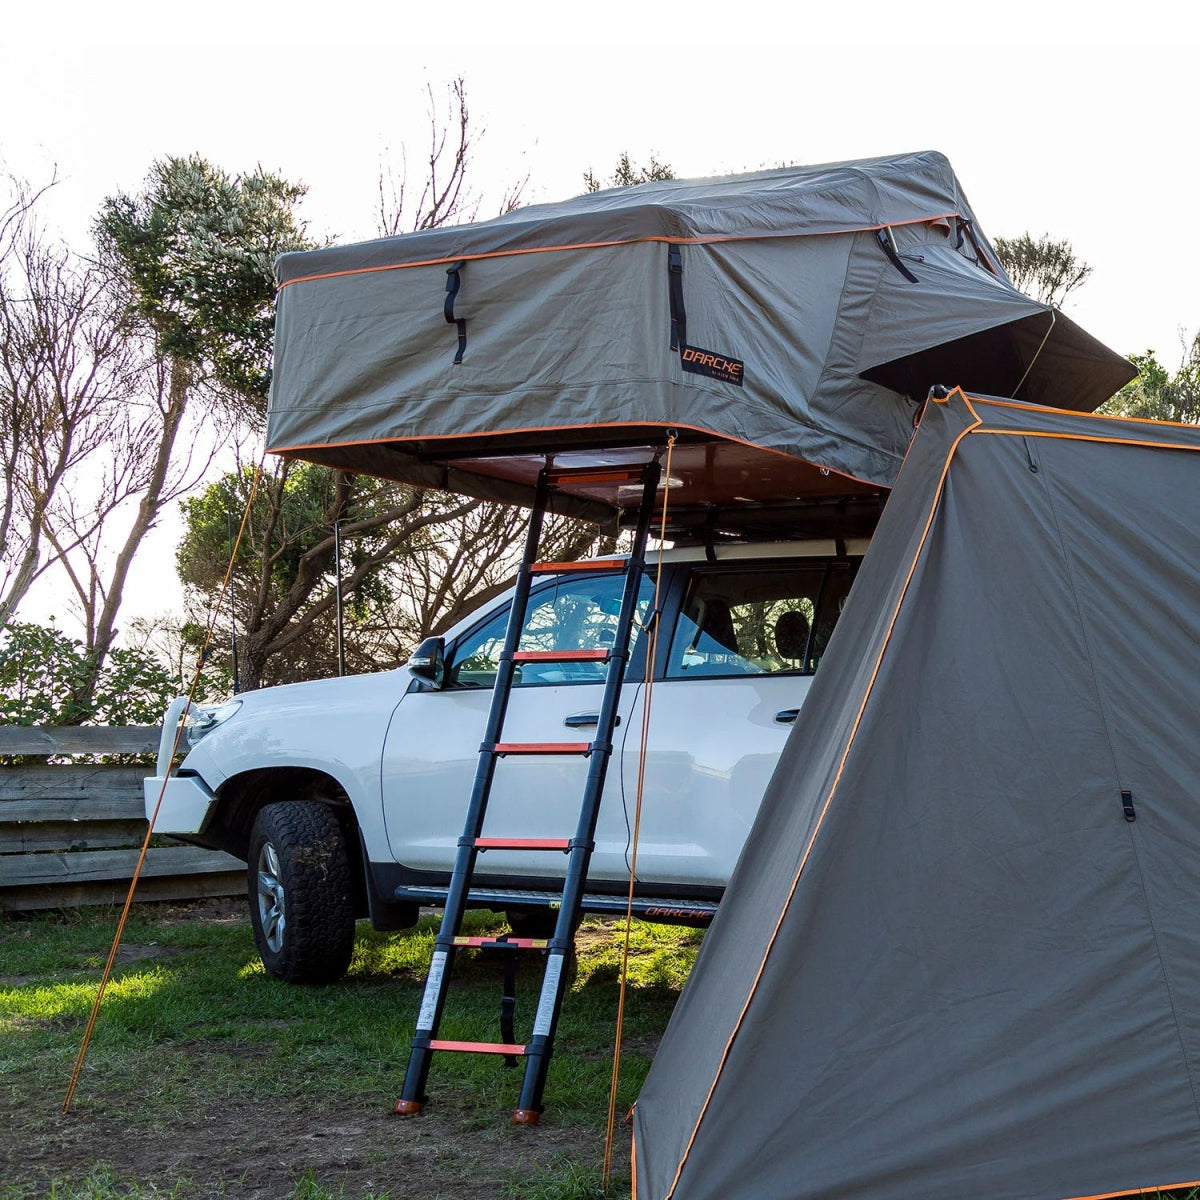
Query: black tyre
[{"x": 301, "y": 892}]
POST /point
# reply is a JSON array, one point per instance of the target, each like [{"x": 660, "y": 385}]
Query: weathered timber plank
[
  {"x": 79, "y": 739},
  {"x": 81, "y": 808},
  {"x": 37, "y": 780},
  {"x": 168, "y": 887},
  {"x": 31, "y": 837},
  {"x": 29, "y": 870}
]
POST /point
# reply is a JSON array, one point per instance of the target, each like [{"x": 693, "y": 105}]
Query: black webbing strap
[
  {"x": 452, "y": 283},
  {"x": 1127, "y": 806},
  {"x": 980, "y": 257},
  {"x": 508, "y": 1003},
  {"x": 678, "y": 316},
  {"x": 887, "y": 240}
]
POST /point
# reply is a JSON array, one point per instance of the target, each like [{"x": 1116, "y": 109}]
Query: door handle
[
  {"x": 786, "y": 716},
  {"x": 579, "y": 720}
]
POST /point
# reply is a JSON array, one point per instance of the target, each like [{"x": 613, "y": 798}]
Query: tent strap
[
  {"x": 675, "y": 281},
  {"x": 453, "y": 281}
]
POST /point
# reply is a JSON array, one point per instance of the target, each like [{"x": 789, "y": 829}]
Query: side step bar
[{"x": 651, "y": 908}]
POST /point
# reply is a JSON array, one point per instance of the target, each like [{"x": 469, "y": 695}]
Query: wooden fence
[{"x": 70, "y": 832}]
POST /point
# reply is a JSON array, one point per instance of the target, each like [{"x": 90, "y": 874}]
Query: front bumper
[
  {"x": 185, "y": 806},
  {"x": 175, "y": 803}
]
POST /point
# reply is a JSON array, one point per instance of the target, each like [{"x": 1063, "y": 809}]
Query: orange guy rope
[
  {"x": 651, "y": 655},
  {"x": 77, "y": 1069}
]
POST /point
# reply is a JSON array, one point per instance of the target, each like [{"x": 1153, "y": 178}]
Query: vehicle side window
[
  {"x": 760, "y": 620},
  {"x": 571, "y": 614}
]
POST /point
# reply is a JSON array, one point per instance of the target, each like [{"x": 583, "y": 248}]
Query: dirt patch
[
  {"x": 258, "y": 1153},
  {"x": 126, "y": 954},
  {"x": 222, "y": 909}
]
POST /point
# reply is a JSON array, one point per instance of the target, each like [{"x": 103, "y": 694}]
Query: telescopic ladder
[{"x": 537, "y": 1050}]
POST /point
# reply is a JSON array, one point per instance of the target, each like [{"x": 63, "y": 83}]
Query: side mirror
[{"x": 428, "y": 661}]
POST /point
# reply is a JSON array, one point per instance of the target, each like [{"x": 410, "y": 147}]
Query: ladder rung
[
  {"x": 487, "y": 843},
  {"x": 477, "y": 1047},
  {"x": 595, "y": 565},
  {"x": 520, "y": 656},
  {"x": 627, "y": 473},
  {"x": 504, "y": 944},
  {"x": 542, "y": 748}
]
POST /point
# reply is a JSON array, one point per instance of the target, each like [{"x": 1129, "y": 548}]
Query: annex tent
[
  {"x": 960, "y": 954},
  {"x": 787, "y": 323}
]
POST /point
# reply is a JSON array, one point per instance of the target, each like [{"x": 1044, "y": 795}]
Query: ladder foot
[
  {"x": 526, "y": 1116},
  {"x": 408, "y": 1108}
]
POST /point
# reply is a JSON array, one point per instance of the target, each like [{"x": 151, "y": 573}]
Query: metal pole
[
  {"x": 337, "y": 588},
  {"x": 233, "y": 655}
]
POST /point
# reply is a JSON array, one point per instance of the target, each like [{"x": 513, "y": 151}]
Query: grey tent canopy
[
  {"x": 786, "y": 323},
  {"x": 960, "y": 953}
]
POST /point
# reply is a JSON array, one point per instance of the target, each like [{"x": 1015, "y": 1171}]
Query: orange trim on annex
[{"x": 1149, "y": 1189}]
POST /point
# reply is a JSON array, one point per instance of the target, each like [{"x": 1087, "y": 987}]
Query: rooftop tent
[
  {"x": 787, "y": 323},
  {"x": 960, "y": 953}
]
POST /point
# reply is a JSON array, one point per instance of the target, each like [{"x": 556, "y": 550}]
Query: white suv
[{"x": 347, "y": 797}]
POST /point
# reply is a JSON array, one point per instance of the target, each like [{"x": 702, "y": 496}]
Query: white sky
[{"x": 1090, "y": 141}]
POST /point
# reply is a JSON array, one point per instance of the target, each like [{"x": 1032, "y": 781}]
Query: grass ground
[{"x": 208, "y": 1078}]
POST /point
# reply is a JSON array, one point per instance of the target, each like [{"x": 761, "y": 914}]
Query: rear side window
[{"x": 761, "y": 620}]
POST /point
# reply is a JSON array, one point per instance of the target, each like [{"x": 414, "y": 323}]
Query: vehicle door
[
  {"x": 432, "y": 746},
  {"x": 747, "y": 638}
]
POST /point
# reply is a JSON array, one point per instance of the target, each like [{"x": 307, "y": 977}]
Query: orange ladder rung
[
  {"x": 542, "y": 748},
  {"x": 503, "y": 943},
  {"x": 629, "y": 473},
  {"x": 477, "y": 1047},
  {"x": 490, "y": 843},
  {"x": 520, "y": 656},
  {"x": 594, "y": 565}
]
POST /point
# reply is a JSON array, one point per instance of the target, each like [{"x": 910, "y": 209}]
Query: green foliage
[
  {"x": 43, "y": 673},
  {"x": 288, "y": 521},
  {"x": 198, "y": 247},
  {"x": 1045, "y": 268},
  {"x": 627, "y": 173},
  {"x": 1158, "y": 395}
]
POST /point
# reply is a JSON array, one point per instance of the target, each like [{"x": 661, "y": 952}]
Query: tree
[
  {"x": 1159, "y": 395},
  {"x": 68, "y": 372},
  {"x": 626, "y": 174},
  {"x": 1045, "y": 268},
  {"x": 282, "y": 598},
  {"x": 191, "y": 256},
  {"x": 198, "y": 247},
  {"x": 100, "y": 361},
  {"x": 414, "y": 562}
]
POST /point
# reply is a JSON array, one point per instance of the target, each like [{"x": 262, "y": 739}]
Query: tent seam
[
  {"x": 392, "y": 439},
  {"x": 700, "y": 240},
  {"x": 1048, "y": 484}
]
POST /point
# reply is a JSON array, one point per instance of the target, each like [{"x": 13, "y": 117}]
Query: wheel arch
[{"x": 241, "y": 797}]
